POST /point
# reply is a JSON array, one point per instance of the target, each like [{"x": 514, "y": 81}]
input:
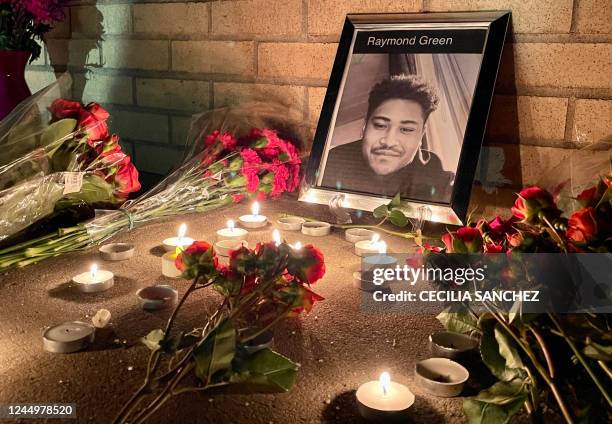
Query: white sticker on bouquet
[{"x": 73, "y": 181}]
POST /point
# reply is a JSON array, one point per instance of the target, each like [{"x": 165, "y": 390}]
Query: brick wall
[{"x": 154, "y": 63}]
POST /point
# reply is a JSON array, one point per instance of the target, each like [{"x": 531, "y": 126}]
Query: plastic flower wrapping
[
  {"x": 58, "y": 163},
  {"x": 231, "y": 154}
]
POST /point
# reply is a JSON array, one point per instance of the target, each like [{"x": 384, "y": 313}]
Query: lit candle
[
  {"x": 297, "y": 245},
  {"x": 231, "y": 232},
  {"x": 367, "y": 247},
  {"x": 170, "y": 244},
  {"x": 384, "y": 400},
  {"x": 276, "y": 237},
  {"x": 169, "y": 268},
  {"x": 365, "y": 280},
  {"x": 96, "y": 280},
  {"x": 255, "y": 220}
]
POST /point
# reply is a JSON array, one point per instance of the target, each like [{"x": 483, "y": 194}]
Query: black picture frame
[{"x": 493, "y": 25}]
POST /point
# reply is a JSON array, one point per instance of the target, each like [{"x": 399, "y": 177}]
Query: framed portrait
[{"x": 405, "y": 112}]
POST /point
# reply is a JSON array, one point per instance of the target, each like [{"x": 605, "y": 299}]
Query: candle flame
[
  {"x": 93, "y": 270},
  {"x": 297, "y": 245},
  {"x": 382, "y": 247},
  {"x": 181, "y": 234},
  {"x": 375, "y": 239},
  {"x": 255, "y": 208},
  {"x": 230, "y": 225},
  {"x": 385, "y": 382},
  {"x": 276, "y": 237}
]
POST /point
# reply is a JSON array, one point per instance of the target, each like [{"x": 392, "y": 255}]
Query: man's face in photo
[{"x": 393, "y": 135}]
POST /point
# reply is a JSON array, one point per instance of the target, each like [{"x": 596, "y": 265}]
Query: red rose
[
  {"x": 94, "y": 128},
  {"x": 447, "y": 239},
  {"x": 582, "y": 226},
  {"x": 198, "y": 258},
  {"x": 533, "y": 203},
  {"x": 126, "y": 179},
  {"x": 61, "y": 109},
  {"x": 464, "y": 240},
  {"x": 307, "y": 264},
  {"x": 433, "y": 249}
]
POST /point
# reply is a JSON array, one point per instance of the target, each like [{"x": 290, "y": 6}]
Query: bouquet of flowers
[
  {"x": 225, "y": 169},
  {"x": 259, "y": 288},
  {"x": 536, "y": 357},
  {"x": 58, "y": 169},
  {"x": 22, "y": 22}
]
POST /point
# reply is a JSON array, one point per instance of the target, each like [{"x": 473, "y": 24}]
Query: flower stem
[{"x": 581, "y": 359}]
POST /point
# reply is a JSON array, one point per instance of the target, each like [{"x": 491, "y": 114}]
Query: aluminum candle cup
[
  {"x": 358, "y": 234},
  {"x": 68, "y": 337},
  {"x": 157, "y": 297},
  {"x": 94, "y": 281},
  {"x": 384, "y": 400},
  {"x": 448, "y": 344},
  {"x": 368, "y": 247},
  {"x": 290, "y": 223},
  {"x": 441, "y": 376},
  {"x": 316, "y": 228},
  {"x": 223, "y": 247},
  {"x": 231, "y": 232},
  {"x": 255, "y": 220},
  {"x": 169, "y": 269},
  {"x": 172, "y": 243},
  {"x": 117, "y": 251}
]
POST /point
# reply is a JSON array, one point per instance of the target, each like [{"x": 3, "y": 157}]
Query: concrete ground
[{"x": 338, "y": 346}]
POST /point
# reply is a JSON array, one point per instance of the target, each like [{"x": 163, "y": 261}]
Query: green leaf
[
  {"x": 267, "y": 371},
  {"x": 216, "y": 352},
  {"x": 381, "y": 211},
  {"x": 56, "y": 134},
  {"x": 398, "y": 218},
  {"x": 496, "y": 404},
  {"x": 491, "y": 356},
  {"x": 507, "y": 348},
  {"x": 152, "y": 339},
  {"x": 458, "y": 319},
  {"x": 395, "y": 202}
]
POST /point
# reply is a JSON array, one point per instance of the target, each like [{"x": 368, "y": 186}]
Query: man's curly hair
[{"x": 404, "y": 87}]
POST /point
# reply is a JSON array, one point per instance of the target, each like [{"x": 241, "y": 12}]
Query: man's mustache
[{"x": 389, "y": 151}]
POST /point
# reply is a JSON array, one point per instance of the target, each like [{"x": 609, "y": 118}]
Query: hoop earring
[{"x": 421, "y": 158}]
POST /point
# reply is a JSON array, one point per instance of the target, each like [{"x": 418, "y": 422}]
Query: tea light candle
[
  {"x": 224, "y": 247},
  {"x": 384, "y": 400},
  {"x": 290, "y": 223},
  {"x": 316, "y": 228},
  {"x": 94, "y": 281},
  {"x": 117, "y": 251},
  {"x": 68, "y": 337},
  {"x": 367, "y": 247},
  {"x": 357, "y": 234},
  {"x": 157, "y": 297},
  {"x": 170, "y": 244},
  {"x": 169, "y": 269},
  {"x": 255, "y": 220},
  {"x": 231, "y": 232}
]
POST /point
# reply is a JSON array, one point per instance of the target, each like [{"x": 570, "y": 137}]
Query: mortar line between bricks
[
  {"x": 574, "y": 22},
  {"x": 569, "y": 119}
]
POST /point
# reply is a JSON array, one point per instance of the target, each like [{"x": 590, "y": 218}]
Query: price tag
[{"x": 72, "y": 182}]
